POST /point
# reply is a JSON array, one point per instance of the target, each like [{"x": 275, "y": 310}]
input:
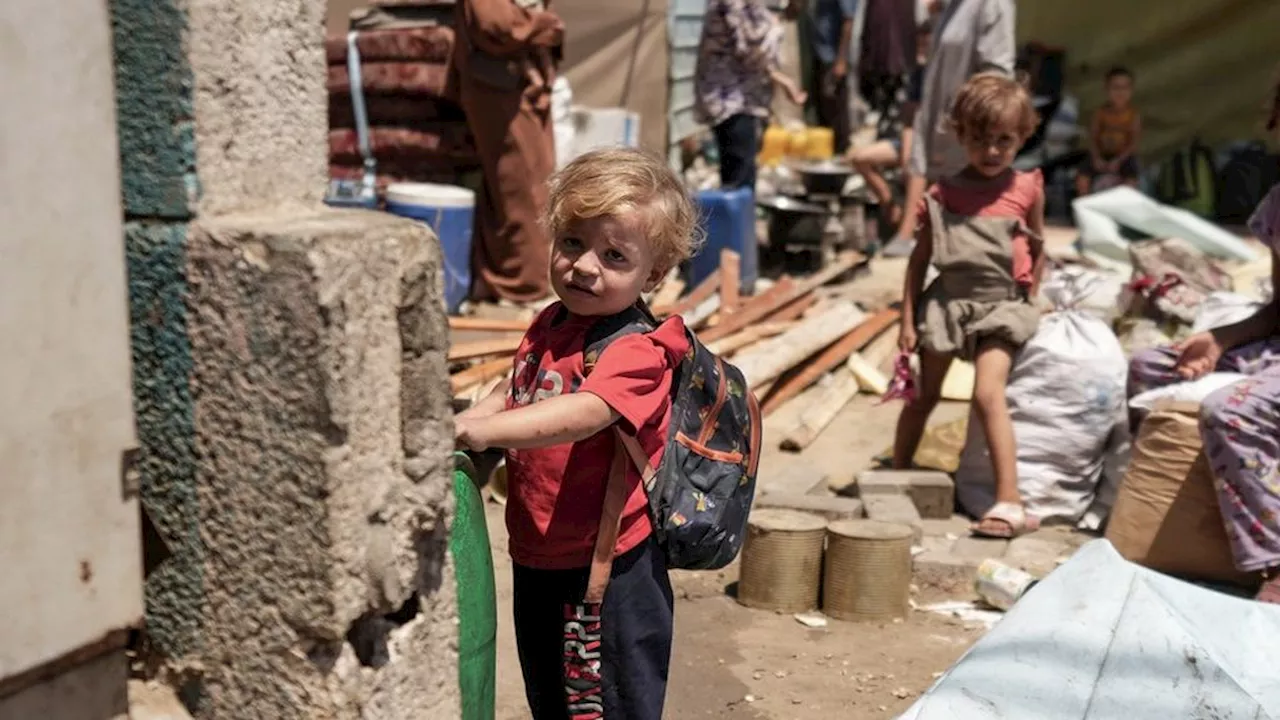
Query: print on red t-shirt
[{"x": 555, "y": 493}]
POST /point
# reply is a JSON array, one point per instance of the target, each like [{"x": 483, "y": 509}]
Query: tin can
[{"x": 1000, "y": 585}]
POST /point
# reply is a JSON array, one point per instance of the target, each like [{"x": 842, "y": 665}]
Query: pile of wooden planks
[{"x": 785, "y": 339}]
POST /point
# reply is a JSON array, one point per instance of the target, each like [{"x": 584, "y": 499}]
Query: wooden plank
[
  {"x": 869, "y": 377},
  {"x": 836, "y": 393},
  {"x": 753, "y": 312},
  {"x": 730, "y": 280},
  {"x": 704, "y": 290},
  {"x": 753, "y": 334},
  {"x": 489, "y": 324},
  {"x": 767, "y": 360},
  {"x": 480, "y": 348},
  {"x": 758, "y": 307},
  {"x": 477, "y": 374},
  {"x": 830, "y": 358},
  {"x": 698, "y": 316},
  {"x": 793, "y": 310}
]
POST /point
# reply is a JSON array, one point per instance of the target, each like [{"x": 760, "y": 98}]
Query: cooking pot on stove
[
  {"x": 825, "y": 177},
  {"x": 793, "y": 222}
]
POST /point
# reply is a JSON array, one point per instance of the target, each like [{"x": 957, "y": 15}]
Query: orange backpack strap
[{"x": 626, "y": 448}]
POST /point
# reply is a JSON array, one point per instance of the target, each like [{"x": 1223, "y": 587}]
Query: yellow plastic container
[
  {"x": 798, "y": 143},
  {"x": 820, "y": 143},
  {"x": 774, "y": 145}
]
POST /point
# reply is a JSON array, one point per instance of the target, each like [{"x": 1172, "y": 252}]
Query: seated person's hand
[
  {"x": 1198, "y": 355},
  {"x": 796, "y": 94}
]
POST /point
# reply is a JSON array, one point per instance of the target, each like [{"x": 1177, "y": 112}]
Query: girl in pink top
[{"x": 981, "y": 229}]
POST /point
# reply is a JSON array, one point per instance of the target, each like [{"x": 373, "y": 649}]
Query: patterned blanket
[
  {"x": 406, "y": 111},
  {"x": 449, "y": 145},
  {"x": 421, "y": 79},
  {"x": 423, "y": 44}
]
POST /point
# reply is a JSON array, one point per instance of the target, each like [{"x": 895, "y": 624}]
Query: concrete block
[
  {"x": 944, "y": 571},
  {"x": 976, "y": 549},
  {"x": 259, "y": 102},
  {"x": 934, "y": 494},
  {"x": 884, "y": 482},
  {"x": 956, "y": 525},
  {"x": 793, "y": 477},
  {"x": 1036, "y": 555},
  {"x": 895, "y": 509},
  {"x": 832, "y": 508},
  {"x": 324, "y": 557},
  {"x": 153, "y": 109},
  {"x": 93, "y": 690}
]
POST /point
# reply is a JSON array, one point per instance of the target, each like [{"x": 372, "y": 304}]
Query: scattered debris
[{"x": 811, "y": 619}]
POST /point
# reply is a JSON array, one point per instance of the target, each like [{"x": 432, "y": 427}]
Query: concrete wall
[
  {"x": 289, "y": 380},
  {"x": 69, "y": 541}
]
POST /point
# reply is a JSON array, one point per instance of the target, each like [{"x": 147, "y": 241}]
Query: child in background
[
  {"x": 1113, "y": 136},
  {"x": 620, "y": 220},
  {"x": 981, "y": 228}
]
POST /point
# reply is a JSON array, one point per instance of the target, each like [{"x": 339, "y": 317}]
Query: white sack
[
  {"x": 1097, "y": 292},
  {"x": 1223, "y": 308},
  {"x": 1192, "y": 391},
  {"x": 1066, "y": 395}
]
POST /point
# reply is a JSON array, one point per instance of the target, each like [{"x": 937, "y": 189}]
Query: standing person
[
  {"x": 505, "y": 54},
  {"x": 1240, "y": 423},
  {"x": 738, "y": 66},
  {"x": 981, "y": 228},
  {"x": 1113, "y": 136},
  {"x": 887, "y": 57},
  {"x": 831, "y": 23},
  {"x": 969, "y": 37},
  {"x": 620, "y": 220}
]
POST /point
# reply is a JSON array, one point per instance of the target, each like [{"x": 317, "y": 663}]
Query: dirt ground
[{"x": 733, "y": 662}]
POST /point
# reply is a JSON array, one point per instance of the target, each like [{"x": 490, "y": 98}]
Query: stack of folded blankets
[{"x": 417, "y": 130}]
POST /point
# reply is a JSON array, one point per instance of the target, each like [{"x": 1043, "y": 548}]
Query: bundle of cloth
[{"x": 417, "y": 129}]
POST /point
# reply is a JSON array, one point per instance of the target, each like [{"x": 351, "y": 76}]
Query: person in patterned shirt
[{"x": 738, "y": 67}]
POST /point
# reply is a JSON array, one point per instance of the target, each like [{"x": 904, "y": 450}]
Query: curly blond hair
[
  {"x": 617, "y": 181},
  {"x": 992, "y": 101}
]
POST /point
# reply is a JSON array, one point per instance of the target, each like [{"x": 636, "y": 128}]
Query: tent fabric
[
  {"x": 1203, "y": 68},
  {"x": 1102, "y": 638},
  {"x": 616, "y": 55}
]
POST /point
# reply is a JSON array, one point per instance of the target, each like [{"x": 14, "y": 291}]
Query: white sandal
[{"x": 1020, "y": 522}]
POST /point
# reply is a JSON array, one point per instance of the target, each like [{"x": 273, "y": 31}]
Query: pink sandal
[{"x": 1012, "y": 514}]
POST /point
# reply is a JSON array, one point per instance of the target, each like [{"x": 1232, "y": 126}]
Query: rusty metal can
[{"x": 1001, "y": 585}]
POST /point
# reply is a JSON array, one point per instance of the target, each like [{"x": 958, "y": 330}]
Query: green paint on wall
[
  {"x": 156, "y": 258},
  {"x": 154, "y": 109}
]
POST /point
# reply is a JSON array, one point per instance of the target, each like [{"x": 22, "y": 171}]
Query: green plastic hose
[{"x": 477, "y": 599}]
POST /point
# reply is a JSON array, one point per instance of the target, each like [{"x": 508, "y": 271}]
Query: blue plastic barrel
[
  {"x": 450, "y": 211},
  {"x": 728, "y": 219}
]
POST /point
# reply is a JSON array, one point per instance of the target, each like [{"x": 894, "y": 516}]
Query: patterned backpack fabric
[{"x": 701, "y": 491}]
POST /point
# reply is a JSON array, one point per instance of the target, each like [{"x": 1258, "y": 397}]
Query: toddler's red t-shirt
[{"x": 554, "y": 494}]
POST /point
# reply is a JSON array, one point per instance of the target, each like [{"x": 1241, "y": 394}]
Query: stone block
[
  {"x": 323, "y": 557},
  {"x": 894, "y": 509},
  {"x": 934, "y": 494},
  {"x": 884, "y": 482},
  {"x": 1037, "y": 554},
  {"x": 259, "y": 102},
  {"x": 976, "y": 549},
  {"x": 956, "y": 526},
  {"x": 794, "y": 477},
  {"x": 832, "y": 508},
  {"x": 944, "y": 571}
]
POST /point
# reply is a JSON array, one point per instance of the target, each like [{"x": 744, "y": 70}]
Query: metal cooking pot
[
  {"x": 794, "y": 222},
  {"x": 827, "y": 177}
]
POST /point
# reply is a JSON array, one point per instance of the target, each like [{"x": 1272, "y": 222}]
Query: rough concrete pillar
[
  {"x": 323, "y": 493},
  {"x": 290, "y": 383}
]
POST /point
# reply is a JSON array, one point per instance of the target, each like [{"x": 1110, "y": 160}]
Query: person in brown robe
[{"x": 505, "y": 57}]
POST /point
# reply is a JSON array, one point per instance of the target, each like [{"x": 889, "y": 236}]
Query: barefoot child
[
  {"x": 620, "y": 220},
  {"x": 981, "y": 229}
]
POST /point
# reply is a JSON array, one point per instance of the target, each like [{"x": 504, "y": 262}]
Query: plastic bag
[
  {"x": 903, "y": 384},
  {"x": 1193, "y": 391}
]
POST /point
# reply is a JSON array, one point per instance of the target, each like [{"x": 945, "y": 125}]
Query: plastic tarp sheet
[
  {"x": 1100, "y": 216},
  {"x": 1102, "y": 638}
]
